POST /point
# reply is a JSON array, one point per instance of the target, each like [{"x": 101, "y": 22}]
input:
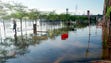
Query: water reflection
[
  {"x": 47, "y": 47},
  {"x": 87, "y": 50}
]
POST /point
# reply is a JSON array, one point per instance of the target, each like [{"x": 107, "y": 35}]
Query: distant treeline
[{"x": 19, "y": 11}]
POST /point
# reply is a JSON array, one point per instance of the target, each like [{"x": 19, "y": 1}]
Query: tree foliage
[
  {"x": 19, "y": 11},
  {"x": 52, "y": 16},
  {"x": 34, "y": 14},
  {"x": 3, "y": 10},
  {"x": 108, "y": 11}
]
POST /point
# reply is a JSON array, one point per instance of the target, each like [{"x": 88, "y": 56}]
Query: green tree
[
  {"x": 52, "y": 16},
  {"x": 34, "y": 14},
  {"x": 3, "y": 14},
  {"x": 62, "y": 17},
  {"x": 19, "y": 13}
]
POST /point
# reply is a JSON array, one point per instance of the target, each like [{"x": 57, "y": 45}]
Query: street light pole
[
  {"x": 88, "y": 14},
  {"x": 87, "y": 50},
  {"x": 67, "y": 16}
]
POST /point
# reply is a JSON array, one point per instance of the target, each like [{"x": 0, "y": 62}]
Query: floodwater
[{"x": 80, "y": 46}]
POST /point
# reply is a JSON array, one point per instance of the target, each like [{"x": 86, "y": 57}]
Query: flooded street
[
  {"x": 50, "y": 31},
  {"x": 51, "y": 47}
]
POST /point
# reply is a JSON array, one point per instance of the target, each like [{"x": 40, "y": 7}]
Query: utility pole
[
  {"x": 88, "y": 14},
  {"x": 67, "y": 10},
  {"x": 87, "y": 50}
]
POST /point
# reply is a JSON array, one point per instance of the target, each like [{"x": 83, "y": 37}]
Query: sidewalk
[{"x": 101, "y": 61}]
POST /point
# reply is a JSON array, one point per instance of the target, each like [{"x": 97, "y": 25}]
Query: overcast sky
[{"x": 75, "y": 6}]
